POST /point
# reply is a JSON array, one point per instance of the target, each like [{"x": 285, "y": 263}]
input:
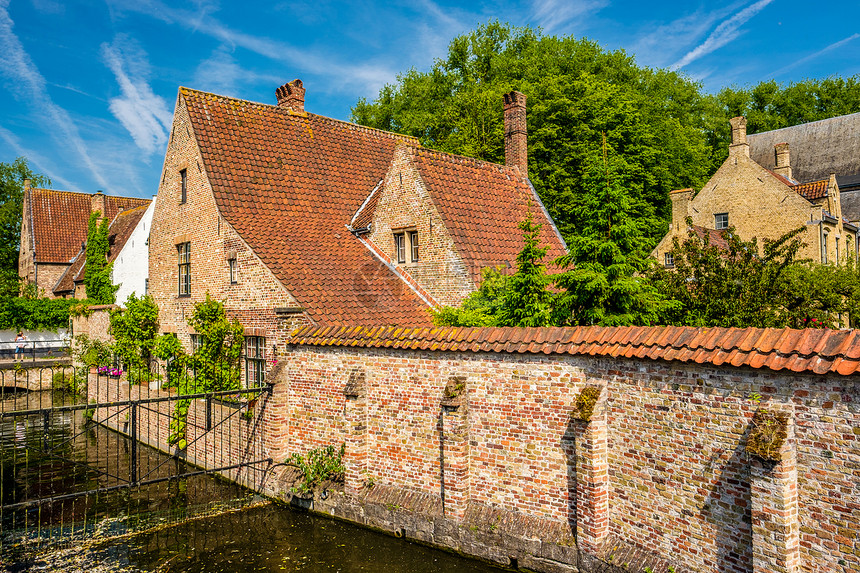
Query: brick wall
[
  {"x": 674, "y": 471},
  {"x": 404, "y": 206},
  {"x": 256, "y": 292}
]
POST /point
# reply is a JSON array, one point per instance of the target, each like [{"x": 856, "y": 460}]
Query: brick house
[
  {"x": 292, "y": 218},
  {"x": 765, "y": 203},
  {"x": 54, "y": 232}
]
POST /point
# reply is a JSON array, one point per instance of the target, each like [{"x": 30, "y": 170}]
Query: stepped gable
[
  {"x": 289, "y": 182},
  {"x": 809, "y": 351},
  {"x": 60, "y": 220},
  {"x": 482, "y": 203}
]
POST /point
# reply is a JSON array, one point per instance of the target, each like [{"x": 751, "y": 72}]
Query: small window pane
[
  {"x": 721, "y": 221},
  {"x": 183, "y": 193},
  {"x": 400, "y": 247},
  {"x": 255, "y": 360},
  {"x": 413, "y": 241},
  {"x": 184, "y": 269},
  {"x": 231, "y": 263},
  {"x": 670, "y": 260}
]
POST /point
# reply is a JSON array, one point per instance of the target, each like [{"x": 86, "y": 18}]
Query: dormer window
[
  {"x": 406, "y": 245},
  {"x": 721, "y": 221},
  {"x": 183, "y": 192}
]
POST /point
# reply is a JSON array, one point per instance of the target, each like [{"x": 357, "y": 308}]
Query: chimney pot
[
  {"x": 680, "y": 208},
  {"x": 739, "y": 136},
  {"x": 782, "y": 160},
  {"x": 516, "y": 134},
  {"x": 291, "y": 95}
]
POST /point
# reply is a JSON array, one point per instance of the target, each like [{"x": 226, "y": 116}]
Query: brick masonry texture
[{"x": 680, "y": 484}]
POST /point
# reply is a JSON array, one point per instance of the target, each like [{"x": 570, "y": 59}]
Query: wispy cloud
[
  {"x": 221, "y": 73},
  {"x": 367, "y": 77},
  {"x": 553, "y": 14},
  {"x": 727, "y": 31},
  {"x": 29, "y": 86},
  {"x": 144, "y": 114},
  {"x": 41, "y": 164},
  {"x": 810, "y": 57}
]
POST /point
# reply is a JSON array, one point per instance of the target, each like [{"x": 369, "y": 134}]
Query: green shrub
[{"x": 318, "y": 465}]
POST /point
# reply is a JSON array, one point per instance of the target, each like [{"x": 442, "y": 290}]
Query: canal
[{"x": 194, "y": 524}]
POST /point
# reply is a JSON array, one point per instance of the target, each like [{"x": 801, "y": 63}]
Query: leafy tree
[
  {"x": 656, "y": 119},
  {"x": 97, "y": 275},
  {"x": 216, "y": 361},
  {"x": 481, "y": 307},
  {"x": 135, "y": 329},
  {"x": 12, "y": 176},
  {"x": 603, "y": 282},
  {"x": 34, "y": 313},
  {"x": 741, "y": 285},
  {"x": 526, "y": 301}
]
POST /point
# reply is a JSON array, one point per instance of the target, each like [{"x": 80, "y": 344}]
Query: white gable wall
[{"x": 131, "y": 267}]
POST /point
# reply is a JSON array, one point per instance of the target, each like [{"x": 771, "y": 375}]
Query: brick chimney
[
  {"x": 739, "y": 136},
  {"x": 782, "y": 160},
  {"x": 98, "y": 203},
  {"x": 291, "y": 95},
  {"x": 516, "y": 136},
  {"x": 680, "y": 208},
  {"x": 27, "y": 185}
]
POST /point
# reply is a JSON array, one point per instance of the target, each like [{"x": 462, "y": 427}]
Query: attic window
[
  {"x": 231, "y": 265},
  {"x": 400, "y": 247},
  {"x": 413, "y": 243},
  {"x": 183, "y": 194},
  {"x": 184, "y": 269},
  {"x": 669, "y": 260},
  {"x": 721, "y": 221}
]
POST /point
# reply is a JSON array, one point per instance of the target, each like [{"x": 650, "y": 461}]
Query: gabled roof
[
  {"x": 808, "y": 351},
  {"x": 481, "y": 204},
  {"x": 60, "y": 221},
  {"x": 813, "y": 190},
  {"x": 289, "y": 183},
  {"x": 119, "y": 231},
  {"x": 818, "y": 148}
]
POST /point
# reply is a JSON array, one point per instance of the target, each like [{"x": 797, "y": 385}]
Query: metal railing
[{"x": 31, "y": 349}]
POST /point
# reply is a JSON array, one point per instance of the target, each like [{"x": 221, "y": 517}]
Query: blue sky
[{"x": 87, "y": 89}]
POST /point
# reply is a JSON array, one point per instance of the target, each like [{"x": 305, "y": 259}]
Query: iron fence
[
  {"x": 34, "y": 349},
  {"x": 81, "y": 448}
]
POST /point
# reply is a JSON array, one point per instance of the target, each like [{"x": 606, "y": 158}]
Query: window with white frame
[
  {"x": 400, "y": 247},
  {"x": 721, "y": 221},
  {"x": 231, "y": 268},
  {"x": 669, "y": 260},
  {"x": 184, "y": 250}
]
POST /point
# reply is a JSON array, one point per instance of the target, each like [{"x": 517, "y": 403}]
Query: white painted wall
[
  {"x": 131, "y": 267},
  {"x": 42, "y": 340}
]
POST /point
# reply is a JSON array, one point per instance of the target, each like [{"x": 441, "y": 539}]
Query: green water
[{"x": 159, "y": 527}]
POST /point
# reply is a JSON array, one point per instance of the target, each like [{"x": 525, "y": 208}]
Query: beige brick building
[
  {"x": 292, "y": 218},
  {"x": 764, "y": 203}
]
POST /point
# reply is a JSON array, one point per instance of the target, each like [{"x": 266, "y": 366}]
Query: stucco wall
[{"x": 131, "y": 266}]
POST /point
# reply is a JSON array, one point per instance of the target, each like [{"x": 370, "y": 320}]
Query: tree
[
  {"x": 526, "y": 301},
  {"x": 480, "y": 308},
  {"x": 603, "y": 282},
  {"x": 135, "y": 329},
  {"x": 97, "y": 275},
  {"x": 12, "y": 176},
  {"x": 741, "y": 285},
  {"x": 216, "y": 360},
  {"x": 656, "y": 119}
]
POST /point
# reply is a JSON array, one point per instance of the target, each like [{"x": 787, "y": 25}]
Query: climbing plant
[{"x": 97, "y": 275}]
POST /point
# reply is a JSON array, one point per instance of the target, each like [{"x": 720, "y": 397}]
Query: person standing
[{"x": 21, "y": 341}]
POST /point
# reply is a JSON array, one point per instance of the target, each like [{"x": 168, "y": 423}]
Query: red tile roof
[
  {"x": 481, "y": 204},
  {"x": 289, "y": 183},
  {"x": 715, "y": 237},
  {"x": 813, "y": 190},
  {"x": 120, "y": 230},
  {"x": 814, "y": 351},
  {"x": 60, "y": 221}
]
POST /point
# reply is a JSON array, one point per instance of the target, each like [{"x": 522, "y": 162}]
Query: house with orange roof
[
  {"x": 764, "y": 202},
  {"x": 54, "y": 233},
  {"x": 293, "y": 218}
]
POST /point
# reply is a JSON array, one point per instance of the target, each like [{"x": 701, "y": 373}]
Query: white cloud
[
  {"x": 220, "y": 73},
  {"x": 144, "y": 114},
  {"x": 727, "y": 31},
  {"x": 29, "y": 86},
  {"x": 364, "y": 77},
  {"x": 43, "y": 165},
  {"x": 810, "y": 57},
  {"x": 552, "y": 14}
]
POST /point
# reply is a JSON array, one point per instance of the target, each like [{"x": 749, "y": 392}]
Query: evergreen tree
[
  {"x": 603, "y": 283},
  {"x": 527, "y": 302},
  {"x": 12, "y": 176}
]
